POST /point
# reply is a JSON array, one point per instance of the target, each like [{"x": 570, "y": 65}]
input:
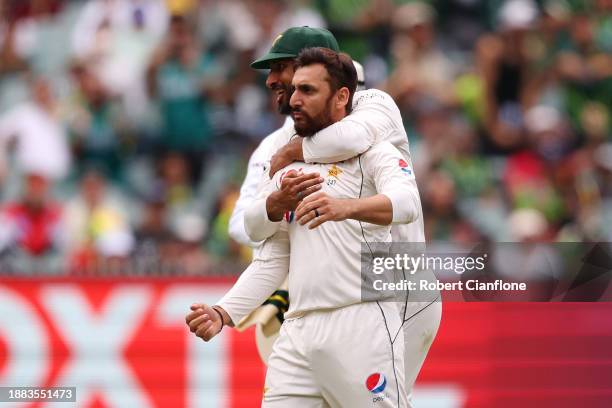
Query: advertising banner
[{"x": 124, "y": 343}]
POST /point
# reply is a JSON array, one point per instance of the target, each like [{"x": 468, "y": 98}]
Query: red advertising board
[{"x": 124, "y": 343}]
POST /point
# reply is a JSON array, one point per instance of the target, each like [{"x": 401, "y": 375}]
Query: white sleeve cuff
[
  {"x": 403, "y": 209},
  {"x": 235, "y": 318}
]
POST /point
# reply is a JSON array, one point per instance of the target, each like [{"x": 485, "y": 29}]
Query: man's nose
[{"x": 295, "y": 100}]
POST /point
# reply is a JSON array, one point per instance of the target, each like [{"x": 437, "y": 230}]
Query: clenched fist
[{"x": 204, "y": 321}]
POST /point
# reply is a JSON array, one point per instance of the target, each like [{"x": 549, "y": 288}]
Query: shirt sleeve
[
  {"x": 375, "y": 116},
  {"x": 248, "y": 194},
  {"x": 262, "y": 277},
  {"x": 256, "y": 222},
  {"x": 255, "y": 190},
  {"x": 394, "y": 177}
]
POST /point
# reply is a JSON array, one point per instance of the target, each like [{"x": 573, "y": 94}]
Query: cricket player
[
  {"x": 375, "y": 117},
  {"x": 321, "y": 358},
  {"x": 269, "y": 317}
]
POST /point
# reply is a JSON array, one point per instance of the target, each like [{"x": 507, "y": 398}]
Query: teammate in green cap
[{"x": 288, "y": 44}]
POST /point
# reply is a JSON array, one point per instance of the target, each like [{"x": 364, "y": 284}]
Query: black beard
[
  {"x": 283, "y": 107},
  {"x": 312, "y": 125}
]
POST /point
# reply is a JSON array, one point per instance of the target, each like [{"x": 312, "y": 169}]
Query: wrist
[
  {"x": 221, "y": 318},
  {"x": 351, "y": 209},
  {"x": 225, "y": 318},
  {"x": 295, "y": 150},
  {"x": 274, "y": 210}
]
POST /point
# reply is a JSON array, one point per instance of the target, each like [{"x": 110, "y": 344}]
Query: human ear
[{"x": 342, "y": 97}]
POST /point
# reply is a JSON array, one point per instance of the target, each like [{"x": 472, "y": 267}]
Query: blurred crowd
[{"x": 126, "y": 125}]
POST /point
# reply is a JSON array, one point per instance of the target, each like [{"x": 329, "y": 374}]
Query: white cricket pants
[{"x": 347, "y": 357}]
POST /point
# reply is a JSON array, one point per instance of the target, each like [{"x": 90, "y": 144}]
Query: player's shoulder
[
  {"x": 284, "y": 134},
  {"x": 268, "y": 141},
  {"x": 274, "y": 140},
  {"x": 263, "y": 151},
  {"x": 385, "y": 156},
  {"x": 285, "y": 131},
  {"x": 381, "y": 149},
  {"x": 373, "y": 97}
]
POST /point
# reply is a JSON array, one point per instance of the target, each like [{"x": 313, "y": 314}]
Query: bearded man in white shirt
[{"x": 375, "y": 117}]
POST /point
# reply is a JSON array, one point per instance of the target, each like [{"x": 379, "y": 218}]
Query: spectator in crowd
[
  {"x": 42, "y": 25},
  {"x": 422, "y": 71},
  {"x": 183, "y": 77},
  {"x": 102, "y": 24},
  {"x": 97, "y": 223},
  {"x": 95, "y": 121},
  {"x": 37, "y": 134},
  {"x": 23, "y": 29},
  {"x": 10, "y": 38},
  {"x": 153, "y": 237},
  {"x": 586, "y": 71},
  {"x": 190, "y": 259},
  {"x": 505, "y": 68},
  {"x": 174, "y": 183},
  {"x": 443, "y": 222},
  {"x": 507, "y": 104},
  {"x": 471, "y": 172},
  {"x": 118, "y": 37},
  {"x": 31, "y": 228}
]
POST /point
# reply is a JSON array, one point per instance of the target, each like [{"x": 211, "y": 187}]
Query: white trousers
[
  {"x": 347, "y": 357},
  {"x": 316, "y": 367},
  {"x": 421, "y": 323}
]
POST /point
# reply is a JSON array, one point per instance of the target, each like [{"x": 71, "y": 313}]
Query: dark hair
[{"x": 340, "y": 69}]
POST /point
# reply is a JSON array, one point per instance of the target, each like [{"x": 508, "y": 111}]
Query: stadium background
[{"x": 125, "y": 129}]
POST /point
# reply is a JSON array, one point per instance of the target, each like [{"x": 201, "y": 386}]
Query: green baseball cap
[{"x": 291, "y": 42}]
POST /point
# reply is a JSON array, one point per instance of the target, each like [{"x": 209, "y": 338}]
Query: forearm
[
  {"x": 374, "y": 210},
  {"x": 253, "y": 287},
  {"x": 384, "y": 209},
  {"x": 340, "y": 141},
  {"x": 294, "y": 149},
  {"x": 374, "y": 117},
  {"x": 265, "y": 274},
  {"x": 393, "y": 206}
]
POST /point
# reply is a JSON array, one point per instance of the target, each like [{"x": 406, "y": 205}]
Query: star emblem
[{"x": 334, "y": 171}]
